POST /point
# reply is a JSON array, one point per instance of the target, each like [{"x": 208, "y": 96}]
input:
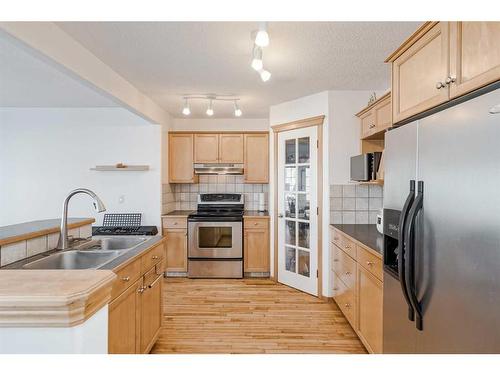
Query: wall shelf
[{"x": 120, "y": 168}]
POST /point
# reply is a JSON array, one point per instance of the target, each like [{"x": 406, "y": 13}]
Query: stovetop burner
[{"x": 219, "y": 207}]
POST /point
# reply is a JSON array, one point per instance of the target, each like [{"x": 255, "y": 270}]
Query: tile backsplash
[
  {"x": 184, "y": 196},
  {"x": 355, "y": 204}
]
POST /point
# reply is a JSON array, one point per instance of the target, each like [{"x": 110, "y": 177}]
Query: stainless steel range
[{"x": 215, "y": 237}]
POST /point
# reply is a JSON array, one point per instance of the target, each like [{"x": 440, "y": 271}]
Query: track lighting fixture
[
  {"x": 257, "y": 63},
  {"x": 237, "y": 110},
  {"x": 264, "y": 75},
  {"x": 210, "y": 109},
  {"x": 186, "y": 111},
  {"x": 262, "y": 37}
]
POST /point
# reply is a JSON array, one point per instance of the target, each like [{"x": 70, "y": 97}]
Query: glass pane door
[{"x": 297, "y": 209}]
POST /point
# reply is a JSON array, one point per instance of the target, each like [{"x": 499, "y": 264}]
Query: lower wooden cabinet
[
  {"x": 369, "y": 302},
  {"x": 358, "y": 288},
  {"x": 134, "y": 317},
  {"x": 256, "y": 245},
  {"x": 176, "y": 249}
]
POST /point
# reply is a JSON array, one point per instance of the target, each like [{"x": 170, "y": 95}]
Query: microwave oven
[{"x": 364, "y": 167}]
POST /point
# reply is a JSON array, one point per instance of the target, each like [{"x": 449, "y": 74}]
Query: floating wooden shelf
[{"x": 130, "y": 168}]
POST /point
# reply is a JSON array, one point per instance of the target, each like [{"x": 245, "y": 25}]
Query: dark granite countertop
[
  {"x": 367, "y": 234},
  {"x": 32, "y": 229},
  {"x": 255, "y": 213},
  {"x": 178, "y": 213}
]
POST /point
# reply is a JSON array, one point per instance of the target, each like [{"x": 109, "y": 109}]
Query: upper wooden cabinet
[
  {"x": 206, "y": 148},
  {"x": 257, "y": 158},
  {"x": 180, "y": 158},
  {"x": 376, "y": 118},
  {"x": 230, "y": 148},
  {"x": 474, "y": 55},
  {"x": 442, "y": 61}
]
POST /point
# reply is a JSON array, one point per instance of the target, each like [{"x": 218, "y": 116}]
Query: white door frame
[{"x": 312, "y": 121}]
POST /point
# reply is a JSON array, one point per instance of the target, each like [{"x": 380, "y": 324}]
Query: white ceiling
[
  {"x": 166, "y": 60},
  {"x": 26, "y": 80}
]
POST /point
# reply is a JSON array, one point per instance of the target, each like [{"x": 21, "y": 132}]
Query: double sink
[{"x": 90, "y": 254}]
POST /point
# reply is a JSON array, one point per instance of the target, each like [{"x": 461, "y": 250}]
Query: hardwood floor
[{"x": 250, "y": 316}]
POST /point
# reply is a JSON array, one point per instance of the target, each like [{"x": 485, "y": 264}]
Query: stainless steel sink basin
[
  {"x": 112, "y": 243},
  {"x": 74, "y": 260}
]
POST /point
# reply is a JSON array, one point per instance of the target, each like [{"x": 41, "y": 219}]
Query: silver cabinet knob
[
  {"x": 348, "y": 273},
  {"x": 372, "y": 126},
  {"x": 440, "y": 85},
  {"x": 126, "y": 278},
  {"x": 155, "y": 256},
  {"x": 369, "y": 264},
  {"x": 141, "y": 290},
  {"x": 347, "y": 305},
  {"x": 450, "y": 79}
]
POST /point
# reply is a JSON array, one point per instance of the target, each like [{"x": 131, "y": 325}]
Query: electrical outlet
[{"x": 121, "y": 199}]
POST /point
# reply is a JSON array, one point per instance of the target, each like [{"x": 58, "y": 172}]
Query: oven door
[{"x": 215, "y": 239}]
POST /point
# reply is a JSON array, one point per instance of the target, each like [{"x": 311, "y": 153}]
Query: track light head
[
  {"x": 210, "y": 109},
  {"x": 262, "y": 37},
  {"x": 257, "y": 63},
  {"x": 186, "y": 111},
  {"x": 237, "y": 110},
  {"x": 265, "y": 75}
]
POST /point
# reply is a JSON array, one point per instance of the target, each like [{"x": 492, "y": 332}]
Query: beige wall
[{"x": 225, "y": 124}]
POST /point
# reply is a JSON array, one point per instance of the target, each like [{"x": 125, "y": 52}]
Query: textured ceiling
[
  {"x": 166, "y": 60},
  {"x": 28, "y": 81}
]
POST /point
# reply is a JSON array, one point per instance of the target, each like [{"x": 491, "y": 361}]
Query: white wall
[
  {"x": 47, "y": 152},
  {"x": 309, "y": 106},
  {"x": 225, "y": 124}
]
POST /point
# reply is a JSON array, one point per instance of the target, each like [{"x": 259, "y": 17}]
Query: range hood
[{"x": 218, "y": 169}]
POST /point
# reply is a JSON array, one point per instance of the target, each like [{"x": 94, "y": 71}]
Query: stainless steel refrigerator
[{"x": 442, "y": 232}]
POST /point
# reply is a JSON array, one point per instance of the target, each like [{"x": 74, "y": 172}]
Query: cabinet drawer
[
  {"x": 175, "y": 222},
  {"x": 345, "y": 299},
  {"x": 344, "y": 267},
  {"x": 344, "y": 243},
  {"x": 370, "y": 262},
  {"x": 152, "y": 257},
  {"x": 256, "y": 223},
  {"x": 367, "y": 123},
  {"x": 126, "y": 277}
]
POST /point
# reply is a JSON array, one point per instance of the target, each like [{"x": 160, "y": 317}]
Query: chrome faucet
[{"x": 63, "y": 242}]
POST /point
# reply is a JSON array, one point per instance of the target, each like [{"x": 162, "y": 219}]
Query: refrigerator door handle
[
  {"x": 410, "y": 260},
  {"x": 401, "y": 250}
]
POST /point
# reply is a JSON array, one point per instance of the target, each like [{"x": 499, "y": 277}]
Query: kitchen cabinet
[
  {"x": 124, "y": 321},
  {"x": 256, "y": 245},
  {"x": 419, "y": 73},
  {"x": 369, "y": 303},
  {"x": 230, "y": 148},
  {"x": 180, "y": 158},
  {"x": 358, "y": 287},
  {"x": 474, "y": 55},
  {"x": 175, "y": 233},
  {"x": 442, "y": 61},
  {"x": 134, "y": 316},
  {"x": 256, "y": 150},
  {"x": 206, "y": 148}
]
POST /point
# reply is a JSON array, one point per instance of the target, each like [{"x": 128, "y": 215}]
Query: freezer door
[
  {"x": 458, "y": 274},
  {"x": 400, "y": 167}
]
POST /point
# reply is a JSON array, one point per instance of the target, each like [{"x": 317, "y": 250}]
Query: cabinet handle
[
  {"x": 450, "y": 79},
  {"x": 335, "y": 289},
  {"x": 348, "y": 273},
  {"x": 141, "y": 290},
  {"x": 440, "y": 85},
  {"x": 369, "y": 264},
  {"x": 126, "y": 278},
  {"x": 372, "y": 126},
  {"x": 347, "y": 246},
  {"x": 155, "y": 257},
  {"x": 335, "y": 260},
  {"x": 347, "y": 305}
]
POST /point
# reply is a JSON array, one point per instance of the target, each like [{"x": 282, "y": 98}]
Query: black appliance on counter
[
  {"x": 123, "y": 225},
  {"x": 215, "y": 237}
]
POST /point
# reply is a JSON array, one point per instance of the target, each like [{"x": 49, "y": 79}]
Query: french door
[{"x": 297, "y": 209}]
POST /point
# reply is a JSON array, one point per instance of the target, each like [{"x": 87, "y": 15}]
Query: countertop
[
  {"x": 52, "y": 298},
  {"x": 255, "y": 213},
  {"x": 366, "y": 234},
  {"x": 25, "y": 231},
  {"x": 178, "y": 213}
]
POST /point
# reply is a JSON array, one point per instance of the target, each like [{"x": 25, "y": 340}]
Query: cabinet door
[
  {"x": 367, "y": 123},
  {"x": 231, "y": 148},
  {"x": 383, "y": 118},
  {"x": 256, "y": 158},
  {"x": 180, "y": 158},
  {"x": 474, "y": 55},
  {"x": 369, "y": 304},
  {"x": 344, "y": 296},
  {"x": 176, "y": 250},
  {"x": 151, "y": 299},
  {"x": 206, "y": 148},
  {"x": 124, "y": 321},
  {"x": 256, "y": 250},
  {"x": 419, "y": 74}
]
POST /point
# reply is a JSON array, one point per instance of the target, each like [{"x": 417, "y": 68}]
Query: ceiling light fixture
[
  {"x": 265, "y": 75},
  {"x": 210, "y": 109},
  {"x": 237, "y": 110},
  {"x": 262, "y": 37},
  {"x": 257, "y": 63},
  {"x": 186, "y": 111}
]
